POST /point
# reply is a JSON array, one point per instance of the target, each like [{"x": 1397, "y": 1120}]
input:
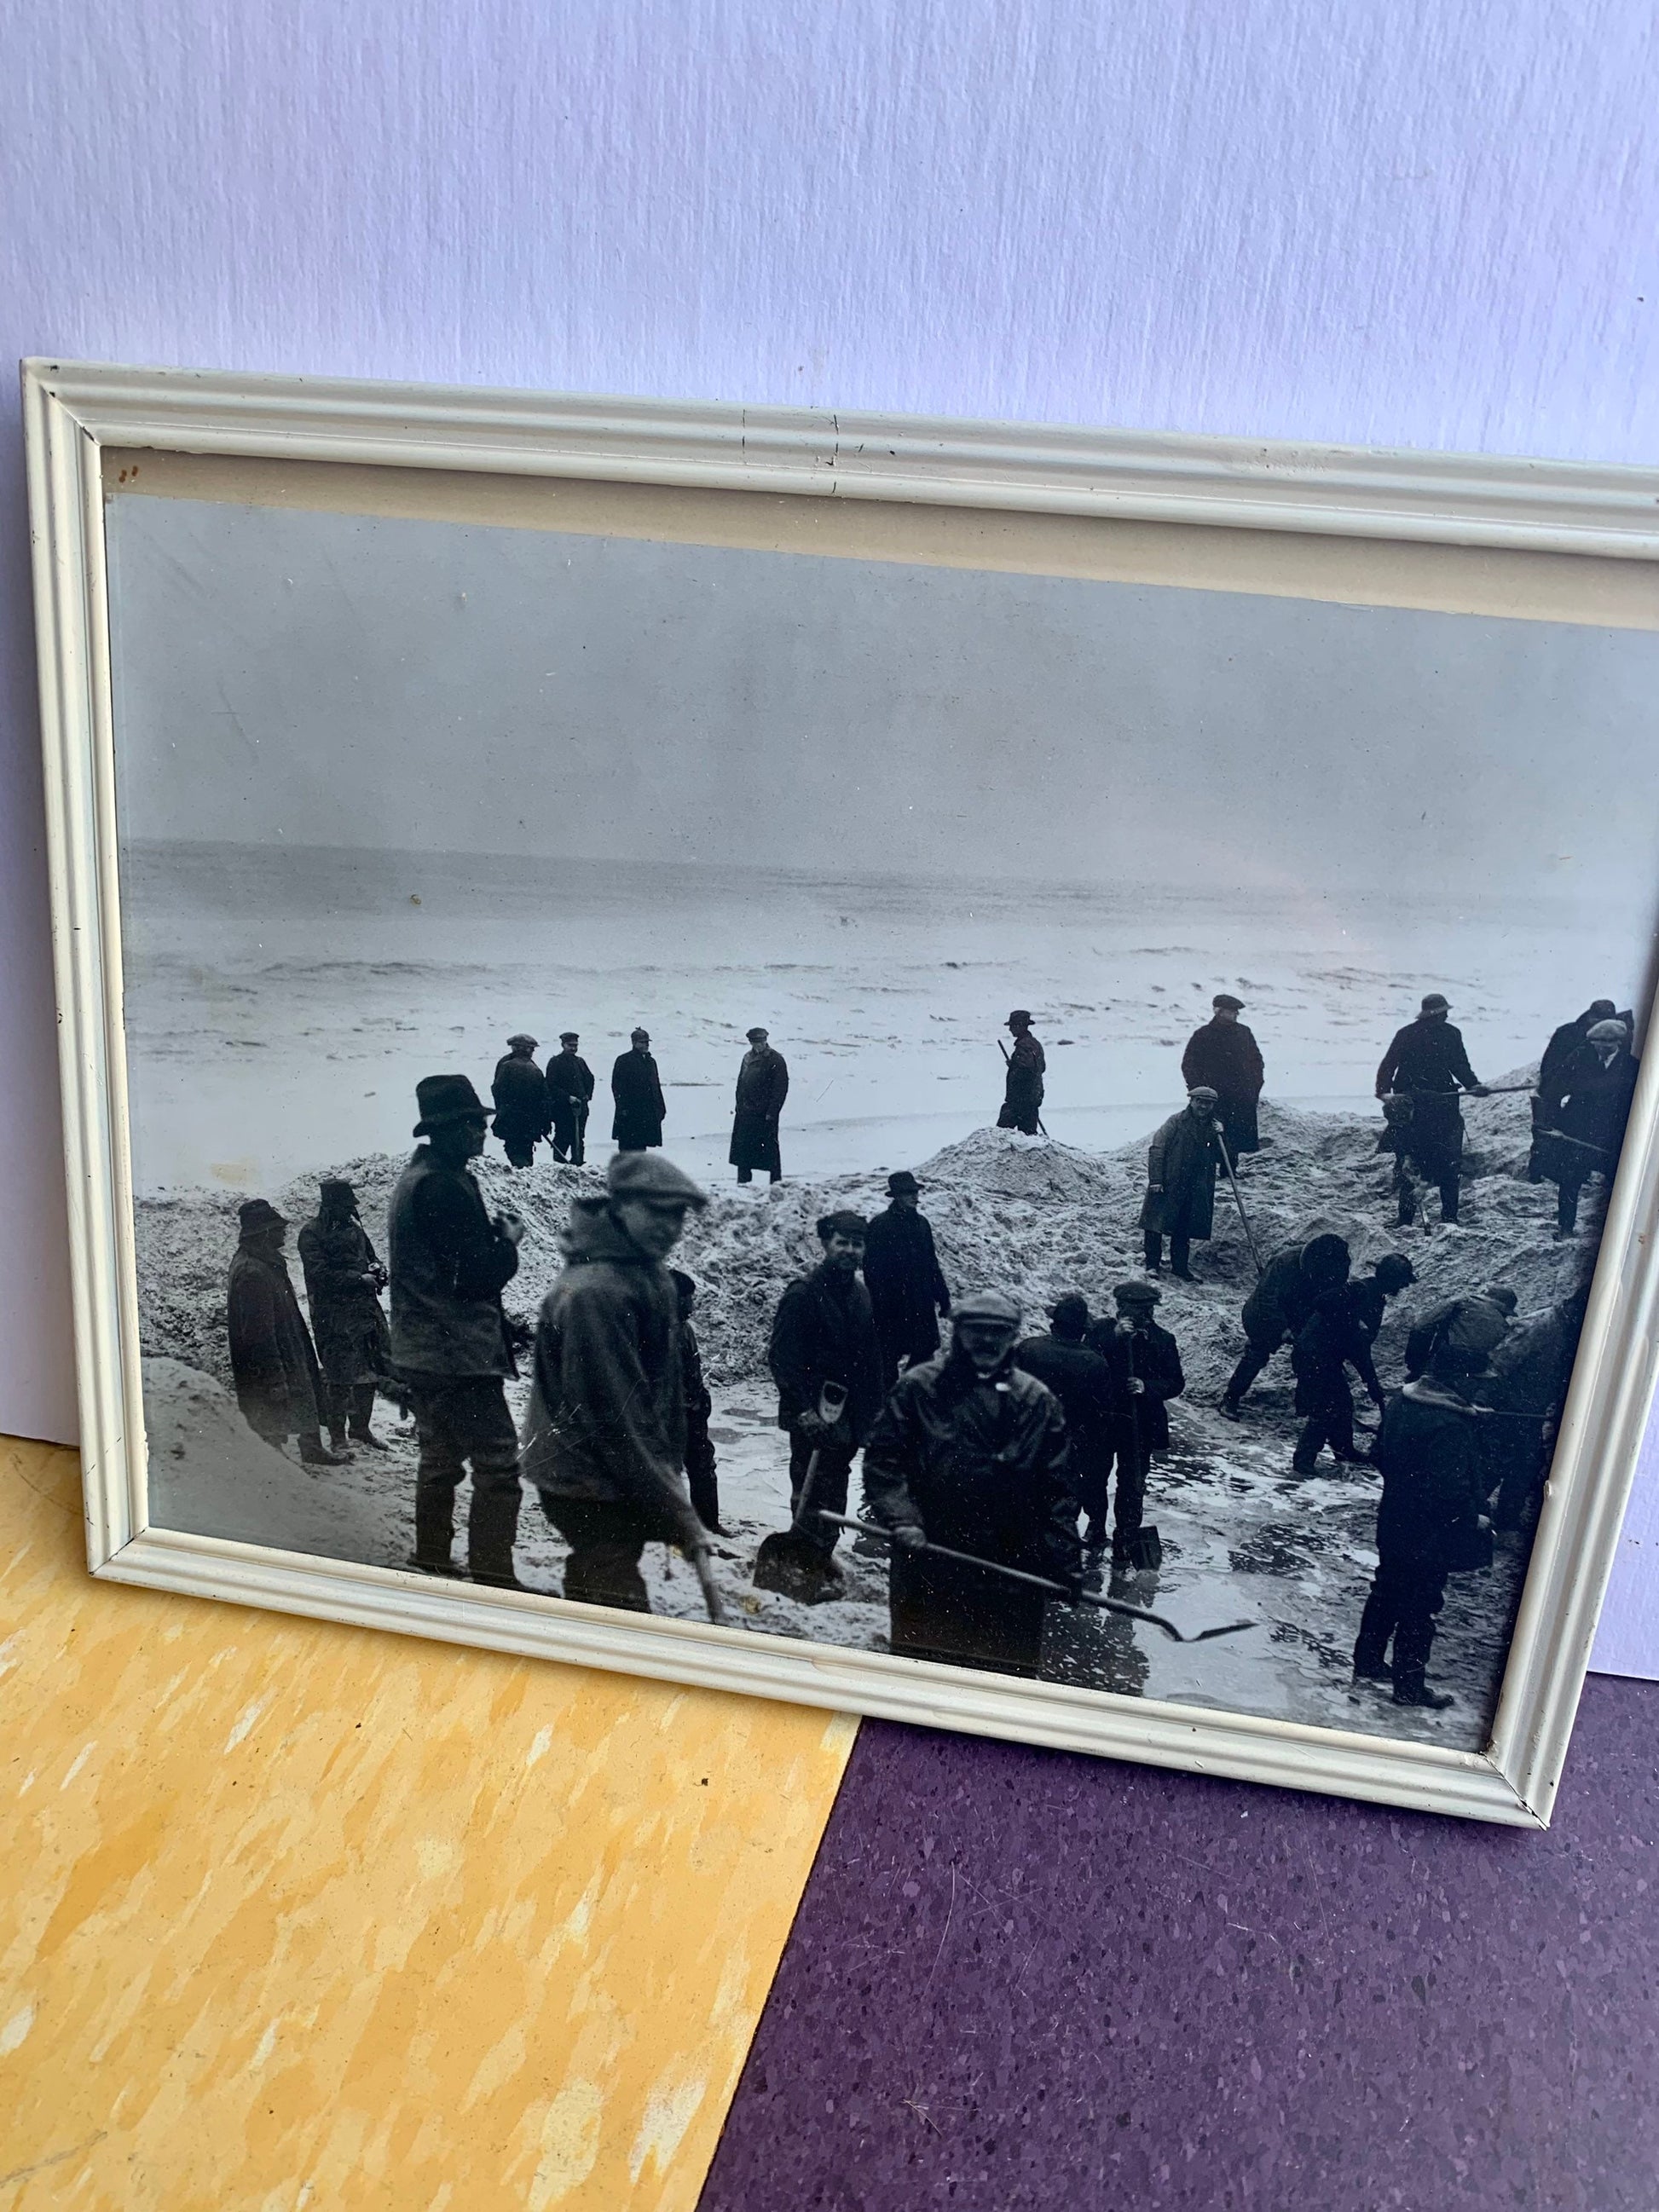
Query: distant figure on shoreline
[
  {"x": 636, "y": 1088},
  {"x": 762, "y": 1087},
  {"x": 520, "y": 1091},
  {"x": 1225, "y": 1055},
  {"x": 569, "y": 1089},
  {"x": 1022, "y": 1096}
]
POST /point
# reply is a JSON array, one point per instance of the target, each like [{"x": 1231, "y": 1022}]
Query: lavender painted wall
[{"x": 1389, "y": 222}]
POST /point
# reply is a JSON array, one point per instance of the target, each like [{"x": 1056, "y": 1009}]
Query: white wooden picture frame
[{"x": 1600, "y": 523}]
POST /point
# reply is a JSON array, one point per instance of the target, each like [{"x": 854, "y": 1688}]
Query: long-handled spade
[
  {"x": 1243, "y": 1217},
  {"x": 1042, "y": 1582},
  {"x": 788, "y": 1562}
]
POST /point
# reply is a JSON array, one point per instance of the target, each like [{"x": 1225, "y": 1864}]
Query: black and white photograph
[{"x": 1032, "y": 1124}]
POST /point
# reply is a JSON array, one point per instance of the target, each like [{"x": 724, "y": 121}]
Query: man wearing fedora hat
[
  {"x": 1022, "y": 1091},
  {"x": 450, "y": 1261},
  {"x": 523, "y": 1113},
  {"x": 762, "y": 1087},
  {"x": 636, "y": 1088},
  {"x": 1225, "y": 1055},
  {"x": 908, "y": 1293},
  {"x": 279, "y": 1384},
  {"x": 569, "y": 1092}
]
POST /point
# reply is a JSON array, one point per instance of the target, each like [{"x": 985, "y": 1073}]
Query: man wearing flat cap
[
  {"x": 1584, "y": 1127},
  {"x": 569, "y": 1093},
  {"x": 279, "y": 1385},
  {"x": 1425, "y": 1064},
  {"x": 344, "y": 1282},
  {"x": 908, "y": 1293},
  {"x": 824, "y": 1331},
  {"x": 605, "y": 1437},
  {"x": 1022, "y": 1097},
  {"x": 969, "y": 1452},
  {"x": 636, "y": 1089},
  {"x": 762, "y": 1087},
  {"x": 1146, "y": 1360},
  {"x": 522, "y": 1114},
  {"x": 1182, "y": 1161},
  {"x": 450, "y": 1261},
  {"x": 1223, "y": 1055}
]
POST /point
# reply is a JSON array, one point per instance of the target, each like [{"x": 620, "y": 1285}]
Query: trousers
[
  {"x": 462, "y": 1422},
  {"x": 606, "y": 1539},
  {"x": 1406, "y": 1595},
  {"x": 829, "y": 1484},
  {"x": 1258, "y": 1351},
  {"x": 1181, "y": 1252}
]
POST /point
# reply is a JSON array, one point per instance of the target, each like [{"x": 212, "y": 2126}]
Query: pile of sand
[{"x": 1029, "y": 1214}]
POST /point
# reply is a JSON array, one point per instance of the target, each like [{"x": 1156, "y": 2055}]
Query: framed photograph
[{"x": 985, "y": 1075}]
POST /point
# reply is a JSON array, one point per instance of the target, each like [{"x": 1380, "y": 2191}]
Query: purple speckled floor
[{"x": 1020, "y": 1979}]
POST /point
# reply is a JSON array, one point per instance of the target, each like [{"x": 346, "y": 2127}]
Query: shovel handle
[{"x": 711, "y": 1595}]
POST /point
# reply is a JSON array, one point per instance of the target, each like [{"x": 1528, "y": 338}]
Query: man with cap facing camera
[
  {"x": 969, "y": 1452},
  {"x": 569, "y": 1089},
  {"x": 450, "y": 1261},
  {"x": 605, "y": 1437},
  {"x": 1584, "y": 1124},
  {"x": 824, "y": 1332},
  {"x": 1182, "y": 1164},
  {"x": 636, "y": 1087},
  {"x": 520, "y": 1090},
  {"x": 279, "y": 1386},
  {"x": 907, "y": 1290},
  {"x": 1022, "y": 1097},
  {"x": 1224, "y": 1056},
  {"x": 1425, "y": 1063},
  {"x": 762, "y": 1087},
  {"x": 1146, "y": 1360}
]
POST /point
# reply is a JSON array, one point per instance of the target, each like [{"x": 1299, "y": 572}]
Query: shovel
[
  {"x": 1042, "y": 1582},
  {"x": 788, "y": 1562}
]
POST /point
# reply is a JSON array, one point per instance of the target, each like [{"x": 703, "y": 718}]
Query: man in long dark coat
[
  {"x": 824, "y": 1332},
  {"x": 1089, "y": 1388},
  {"x": 907, "y": 1290},
  {"x": 604, "y": 1436},
  {"x": 569, "y": 1092},
  {"x": 522, "y": 1114},
  {"x": 450, "y": 1261},
  {"x": 1430, "y": 1516},
  {"x": 762, "y": 1087},
  {"x": 1427, "y": 1064},
  {"x": 1586, "y": 1119},
  {"x": 701, "y": 1464},
  {"x": 1559, "y": 1055},
  {"x": 1021, "y": 1095},
  {"x": 1182, "y": 1164},
  {"x": 1333, "y": 1339},
  {"x": 279, "y": 1384},
  {"x": 344, "y": 1282},
  {"x": 1281, "y": 1301},
  {"x": 970, "y": 1452},
  {"x": 1224, "y": 1056},
  {"x": 1145, "y": 1362},
  {"x": 636, "y": 1088}
]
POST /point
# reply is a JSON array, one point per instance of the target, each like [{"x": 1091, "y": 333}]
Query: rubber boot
[
  {"x": 492, "y": 1525},
  {"x": 434, "y": 1535}
]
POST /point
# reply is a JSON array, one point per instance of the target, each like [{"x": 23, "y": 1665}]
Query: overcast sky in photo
[{"x": 320, "y": 679}]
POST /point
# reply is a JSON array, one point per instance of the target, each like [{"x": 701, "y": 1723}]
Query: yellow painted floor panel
[{"x": 300, "y": 1916}]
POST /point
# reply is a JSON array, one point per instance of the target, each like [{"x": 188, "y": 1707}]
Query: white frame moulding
[{"x": 73, "y": 410}]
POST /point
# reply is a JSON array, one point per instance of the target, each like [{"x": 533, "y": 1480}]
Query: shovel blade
[
  {"x": 790, "y": 1567},
  {"x": 1146, "y": 1552}
]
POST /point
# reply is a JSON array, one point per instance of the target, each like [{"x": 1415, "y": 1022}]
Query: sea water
[{"x": 280, "y": 1002}]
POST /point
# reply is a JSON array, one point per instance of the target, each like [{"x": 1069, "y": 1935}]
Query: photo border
[{"x": 74, "y": 411}]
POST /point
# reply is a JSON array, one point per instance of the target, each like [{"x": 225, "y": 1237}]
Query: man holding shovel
[
  {"x": 969, "y": 1452},
  {"x": 1146, "y": 1361},
  {"x": 825, "y": 1333}
]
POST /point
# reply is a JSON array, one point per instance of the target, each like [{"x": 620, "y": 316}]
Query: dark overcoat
[
  {"x": 1595, "y": 1109},
  {"x": 1225, "y": 1056},
  {"x": 978, "y": 1466},
  {"x": 522, "y": 1110},
  {"x": 1333, "y": 1339},
  {"x": 907, "y": 1285},
  {"x": 353, "y": 1342},
  {"x": 1022, "y": 1091},
  {"x": 1152, "y": 1355},
  {"x": 640, "y": 1107},
  {"x": 272, "y": 1361},
  {"x": 1183, "y": 1160},
  {"x": 1433, "y": 1491},
  {"x": 824, "y": 1331},
  {"x": 762, "y": 1087}
]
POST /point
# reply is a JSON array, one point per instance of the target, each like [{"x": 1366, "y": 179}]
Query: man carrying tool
[
  {"x": 1283, "y": 1298},
  {"x": 605, "y": 1437},
  {"x": 824, "y": 1332},
  {"x": 1089, "y": 1389},
  {"x": 1428, "y": 1523},
  {"x": 1476, "y": 1323},
  {"x": 1333, "y": 1339},
  {"x": 1226, "y": 1055},
  {"x": 1426, "y": 1063},
  {"x": 1146, "y": 1362},
  {"x": 1558, "y": 1054},
  {"x": 969, "y": 1452},
  {"x": 1584, "y": 1119},
  {"x": 907, "y": 1290},
  {"x": 1182, "y": 1161},
  {"x": 569, "y": 1092},
  {"x": 1022, "y": 1097}
]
